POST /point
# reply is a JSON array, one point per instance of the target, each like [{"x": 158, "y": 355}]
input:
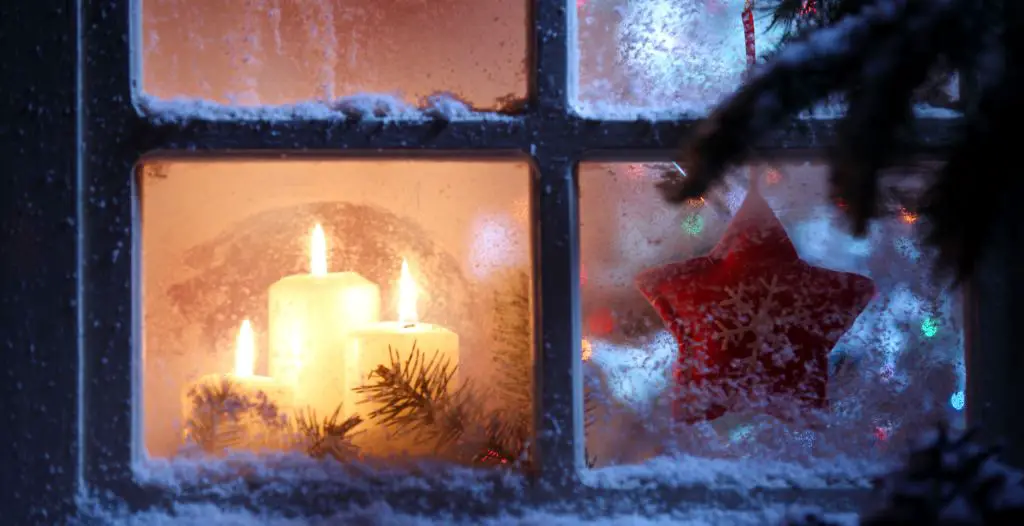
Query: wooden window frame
[{"x": 111, "y": 135}]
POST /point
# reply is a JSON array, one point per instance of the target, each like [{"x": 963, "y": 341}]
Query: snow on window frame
[{"x": 121, "y": 126}]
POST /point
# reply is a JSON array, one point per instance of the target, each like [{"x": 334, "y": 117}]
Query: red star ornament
[{"x": 752, "y": 320}]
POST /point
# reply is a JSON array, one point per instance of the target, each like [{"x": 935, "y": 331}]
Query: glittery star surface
[{"x": 753, "y": 321}]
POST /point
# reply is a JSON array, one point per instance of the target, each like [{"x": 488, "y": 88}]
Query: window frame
[{"x": 112, "y": 136}]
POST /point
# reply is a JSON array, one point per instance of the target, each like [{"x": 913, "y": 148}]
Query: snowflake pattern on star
[{"x": 753, "y": 321}]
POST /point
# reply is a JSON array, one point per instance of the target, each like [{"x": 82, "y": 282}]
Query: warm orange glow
[
  {"x": 407, "y": 296},
  {"x": 245, "y": 351},
  {"x": 588, "y": 351},
  {"x": 907, "y": 216},
  {"x": 695, "y": 202},
  {"x": 318, "y": 252}
]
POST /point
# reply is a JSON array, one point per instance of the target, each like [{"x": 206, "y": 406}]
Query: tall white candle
[
  {"x": 311, "y": 316},
  {"x": 248, "y": 419},
  {"x": 372, "y": 346}
]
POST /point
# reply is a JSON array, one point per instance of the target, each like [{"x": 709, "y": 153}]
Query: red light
[{"x": 601, "y": 322}]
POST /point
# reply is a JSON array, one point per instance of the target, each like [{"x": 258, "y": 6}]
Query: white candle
[
  {"x": 238, "y": 410},
  {"x": 371, "y": 344},
  {"x": 310, "y": 319}
]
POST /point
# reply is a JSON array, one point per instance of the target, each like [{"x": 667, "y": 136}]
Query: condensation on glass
[
  {"x": 684, "y": 57},
  {"x": 268, "y": 52},
  {"x": 896, "y": 371},
  {"x": 347, "y": 310}
]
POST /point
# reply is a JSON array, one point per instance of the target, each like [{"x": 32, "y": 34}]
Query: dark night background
[{"x": 37, "y": 88}]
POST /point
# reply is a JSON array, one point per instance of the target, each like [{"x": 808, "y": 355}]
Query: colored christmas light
[
  {"x": 929, "y": 327},
  {"x": 958, "y": 400},
  {"x": 693, "y": 224}
]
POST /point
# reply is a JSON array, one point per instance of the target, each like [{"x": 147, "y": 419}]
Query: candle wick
[{"x": 409, "y": 325}]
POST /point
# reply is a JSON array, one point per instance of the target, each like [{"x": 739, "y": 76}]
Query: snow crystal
[
  {"x": 381, "y": 107},
  {"x": 497, "y": 243}
]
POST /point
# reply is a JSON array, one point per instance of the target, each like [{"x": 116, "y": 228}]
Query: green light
[
  {"x": 693, "y": 224},
  {"x": 929, "y": 327}
]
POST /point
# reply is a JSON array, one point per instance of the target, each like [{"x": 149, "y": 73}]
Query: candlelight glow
[
  {"x": 588, "y": 350},
  {"x": 245, "y": 351},
  {"x": 318, "y": 252},
  {"x": 406, "y": 296}
]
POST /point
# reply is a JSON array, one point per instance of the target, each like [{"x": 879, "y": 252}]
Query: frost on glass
[
  {"x": 897, "y": 369},
  {"x": 270, "y": 52},
  {"x": 335, "y": 313},
  {"x": 683, "y": 57}
]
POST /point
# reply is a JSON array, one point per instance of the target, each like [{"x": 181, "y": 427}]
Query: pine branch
[
  {"x": 513, "y": 359},
  {"x": 505, "y": 443},
  {"x": 878, "y": 59},
  {"x": 822, "y": 63},
  {"x": 513, "y": 348},
  {"x": 328, "y": 437},
  {"x": 415, "y": 396},
  {"x": 221, "y": 412}
]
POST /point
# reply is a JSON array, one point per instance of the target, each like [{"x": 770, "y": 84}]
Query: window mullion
[
  {"x": 550, "y": 78},
  {"x": 558, "y": 393}
]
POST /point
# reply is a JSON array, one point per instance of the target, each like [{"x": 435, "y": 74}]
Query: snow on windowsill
[
  {"x": 375, "y": 107},
  {"x": 380, "y": 513},
  {"x": 223, "y": 479},
  {"x": 744, "y": 473},
  {"x": 285, "y": 471},
  {"x": 616, "y": 111}
]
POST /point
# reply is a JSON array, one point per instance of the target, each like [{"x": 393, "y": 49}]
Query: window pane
[
  {"x": 716, "y": 332},
  {"x": 685, "y": 56},
  {"x": 280, "y": 52},
  {"x": 284, "y": 300}
]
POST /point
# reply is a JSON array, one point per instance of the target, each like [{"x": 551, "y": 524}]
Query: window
[
  {"x": 703, "y": 335},
  {"x": 274, "y": 52},
  {"x": 682, "y": 58},
  {"x": 274, "y": 291},
  {"x": 196, "y": 209}
]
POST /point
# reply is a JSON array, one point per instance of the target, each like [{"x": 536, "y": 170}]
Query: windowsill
[{"x": 737, "y": 474}]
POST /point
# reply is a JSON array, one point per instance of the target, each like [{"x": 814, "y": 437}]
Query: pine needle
[
  {"x": 328, "y": 437},
  {"x": 513, "y": 348},
  {"x": 415, "y": 396},
  {"x": 221, "y": 413}
]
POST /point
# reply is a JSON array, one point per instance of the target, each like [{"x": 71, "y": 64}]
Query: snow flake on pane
[
  {"x": 821, "y": 241},
  {"x": 907, "y": 248},
  {"x": 636, "y": 373},
  {"x": 680, "y": 53},
  {"x": 496, "y": 244}
]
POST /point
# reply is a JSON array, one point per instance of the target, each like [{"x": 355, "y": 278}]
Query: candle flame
[
  {"x": 406, "y": 296},
  {"x": 318, "y": 252},
  {"x": 245, "y": 351}
]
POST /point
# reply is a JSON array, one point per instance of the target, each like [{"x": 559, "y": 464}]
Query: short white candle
[
  {"x": 247, "y": 428},
  {"x": 371, "y": 344},
  {"x": 310, "y": 319}
]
